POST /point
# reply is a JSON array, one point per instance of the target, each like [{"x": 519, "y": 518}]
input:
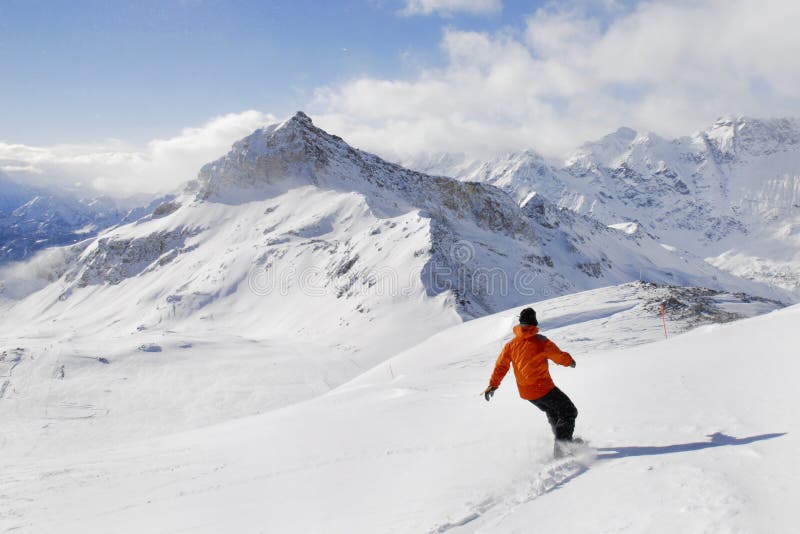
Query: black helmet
[{"x": 527, "y": 317}]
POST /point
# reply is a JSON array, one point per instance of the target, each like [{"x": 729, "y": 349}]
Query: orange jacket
[{"x": 528, "y": 352}]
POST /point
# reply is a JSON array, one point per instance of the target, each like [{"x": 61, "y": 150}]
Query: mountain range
[
  {"x": 342, "y": 230},
  {"x": 729, "y": 193},
  {"x": 34, "y": 218}
]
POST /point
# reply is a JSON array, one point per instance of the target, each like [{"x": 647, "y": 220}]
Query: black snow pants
[{"x": 561, "y": 413}]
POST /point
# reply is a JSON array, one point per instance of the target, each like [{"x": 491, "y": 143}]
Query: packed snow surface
[{"x": 692, "y": 434}]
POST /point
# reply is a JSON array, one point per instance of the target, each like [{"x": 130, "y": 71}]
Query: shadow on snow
[
  {"x": 718, "y": 439},
  {"x": 557, "y": 476}
]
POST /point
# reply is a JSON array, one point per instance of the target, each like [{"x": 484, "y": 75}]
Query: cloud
[
  {"x": 20, "y": 279},
  {"x": 118, "y": 169},
  {"x": 449, "y": 7},
  {"x": 668, "y": 67},
  {"x": 21, "y": 168},
  {"x": 575, "y": 71}
]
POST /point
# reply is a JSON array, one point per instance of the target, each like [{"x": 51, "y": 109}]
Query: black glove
[
  {"x": 488, "y": 392},
  {"x": 573, "y": 363}
]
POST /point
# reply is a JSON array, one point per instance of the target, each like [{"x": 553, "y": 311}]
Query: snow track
[{"x": 551, "y": 476}]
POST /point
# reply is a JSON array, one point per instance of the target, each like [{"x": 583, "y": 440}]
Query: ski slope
[
  {"x": 693, "y": 434},
  {"x": 65, "y": 386}
]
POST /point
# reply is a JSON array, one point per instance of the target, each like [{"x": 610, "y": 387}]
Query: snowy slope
[
  {"x": 291, "y": 265},
  {"x": 693, "y": 434},
  {"x": 67, "y": 388},
  {"x": 223, "y": 342},
  {"x": 730, "y": 193}
]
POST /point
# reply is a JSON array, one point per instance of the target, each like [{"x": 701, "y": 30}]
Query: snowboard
[{"x": 571, "y": 449}]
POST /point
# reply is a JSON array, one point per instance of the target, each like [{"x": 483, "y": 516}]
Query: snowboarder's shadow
[{"x": 718, "y": 439}]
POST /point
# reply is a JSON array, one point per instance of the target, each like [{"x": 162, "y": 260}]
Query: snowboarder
[{"x": 528, "y": 352}]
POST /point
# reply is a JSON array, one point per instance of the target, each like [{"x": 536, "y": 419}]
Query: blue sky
[
  {"x": 80, "y": 71},
  {"x": 136, "y": 96}
]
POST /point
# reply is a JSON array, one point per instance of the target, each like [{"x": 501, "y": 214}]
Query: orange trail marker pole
[{"x": 664, "y": 320}]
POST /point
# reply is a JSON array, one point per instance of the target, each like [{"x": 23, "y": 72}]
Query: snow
[
  {"x": 247, "y": 344},
  {"x": 298, "y": 341},
  {"x": 629, "y": 228},
  {"x": 686, "y": 439}
]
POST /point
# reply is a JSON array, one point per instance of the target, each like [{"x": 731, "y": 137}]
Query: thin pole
[{"x": 664, "y": 320}]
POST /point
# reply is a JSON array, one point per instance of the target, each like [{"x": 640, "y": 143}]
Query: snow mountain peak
[
  {"x": 292, "y": 151},
  {"x": 300, "y": 118},
  {"x": 741, "y": 137}
]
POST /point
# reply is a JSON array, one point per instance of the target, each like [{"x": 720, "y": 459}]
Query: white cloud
[
  {"x": 117, "y": 169},
  {"x": 670, "y": 67},
  {"x": 449, "y": 7},
  {"x": 21, "y": 168}
]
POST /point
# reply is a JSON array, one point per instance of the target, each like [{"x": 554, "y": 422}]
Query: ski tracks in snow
[{"x": 551, "y": 476}]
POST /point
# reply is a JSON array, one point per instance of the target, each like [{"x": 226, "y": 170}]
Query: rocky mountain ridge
[{"x": 730, "y": 191}]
